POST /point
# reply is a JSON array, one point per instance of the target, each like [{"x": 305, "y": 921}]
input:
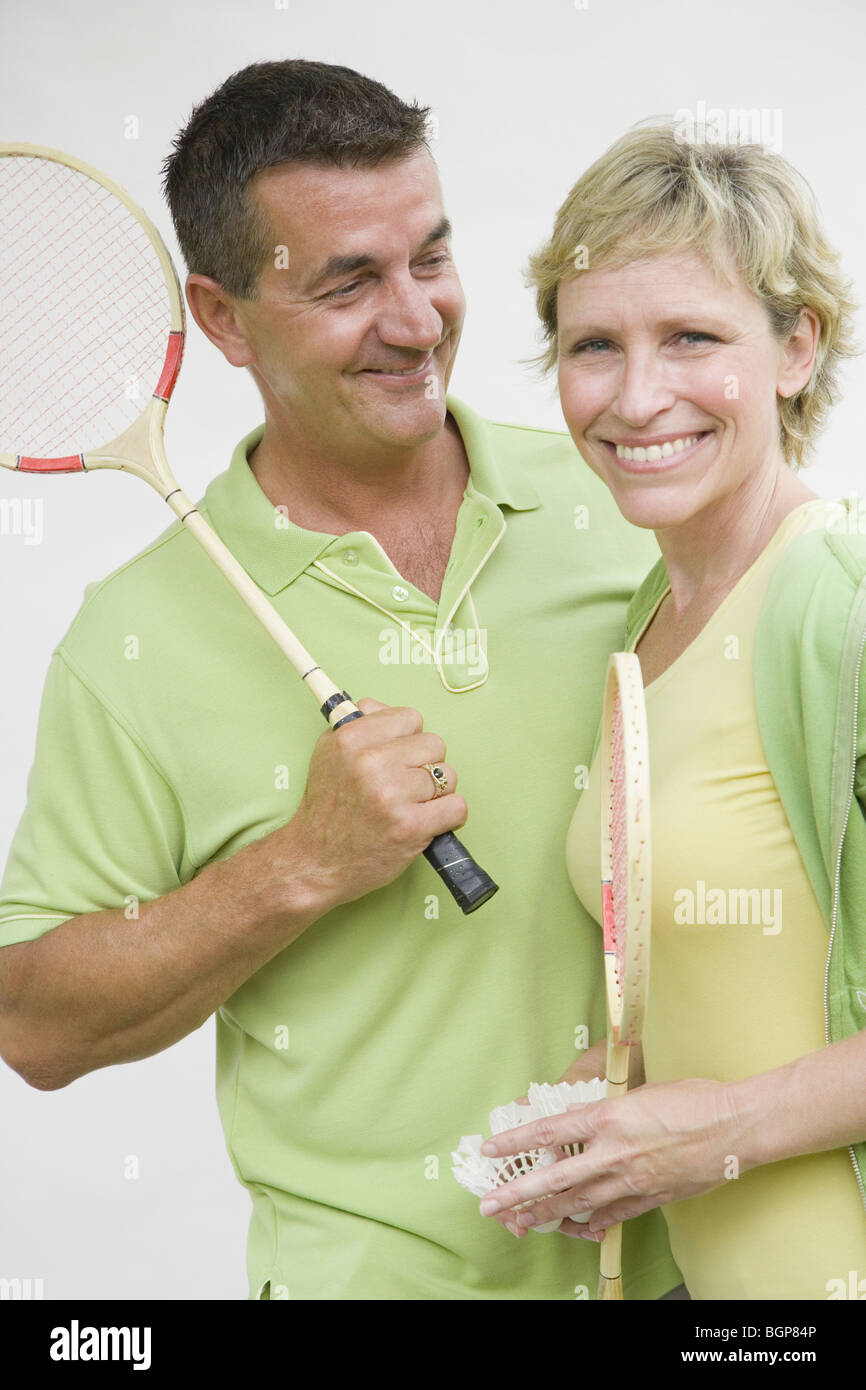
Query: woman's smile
[{"x": 661, "y": 455}]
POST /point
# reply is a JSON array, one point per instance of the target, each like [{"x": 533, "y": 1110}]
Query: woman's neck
[{"x": 708, "y": 554}]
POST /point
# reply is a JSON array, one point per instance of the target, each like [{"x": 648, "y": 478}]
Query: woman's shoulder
[
  {"x": 812, "y": 628},
  {"x": 825, "y": 565}
]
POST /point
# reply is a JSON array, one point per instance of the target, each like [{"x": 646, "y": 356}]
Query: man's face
[{"x": 359, "y": 311}]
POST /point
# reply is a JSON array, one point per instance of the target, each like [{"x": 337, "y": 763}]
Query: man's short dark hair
[{"x": 268, "y": 114}]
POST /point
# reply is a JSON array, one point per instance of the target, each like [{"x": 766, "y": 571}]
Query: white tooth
[
  {"x": 620, "y": 451},
  {"x": 678, "y": 446},
  {"x": 639, "y": 455},
  {"x": 666, "y": 450},
  {"x": 653, "y": 453},
  {"x": 629, "y": 453}
]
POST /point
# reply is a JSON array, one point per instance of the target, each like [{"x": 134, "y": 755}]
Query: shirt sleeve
[{"x": 102, "y": 827}]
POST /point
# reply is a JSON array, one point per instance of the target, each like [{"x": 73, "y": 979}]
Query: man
[{"x": 475, "y": 574}]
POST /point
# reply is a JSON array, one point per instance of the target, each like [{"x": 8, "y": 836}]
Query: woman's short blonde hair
[{"x": 653, "y": 193}]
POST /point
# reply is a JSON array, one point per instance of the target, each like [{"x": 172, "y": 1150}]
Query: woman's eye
[
  {"x": 593, "y": 346},
  {"x": 700, "y": 337}
]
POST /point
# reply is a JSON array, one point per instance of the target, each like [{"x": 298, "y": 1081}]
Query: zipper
[{"x": 835, "y": 907}]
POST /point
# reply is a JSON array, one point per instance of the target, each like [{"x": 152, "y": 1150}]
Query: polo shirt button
[
  {"x": 399, "y": 593},
  {"x": 480, "y": 521},
  {"x": 350, "y": 557}
]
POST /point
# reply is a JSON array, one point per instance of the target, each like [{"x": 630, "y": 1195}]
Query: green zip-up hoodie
[{"x": 812, "y": 717}]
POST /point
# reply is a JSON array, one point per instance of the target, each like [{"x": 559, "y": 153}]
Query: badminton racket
[
  {"x": 626, "y": 893},
  {"x": 91, "y": 340}
]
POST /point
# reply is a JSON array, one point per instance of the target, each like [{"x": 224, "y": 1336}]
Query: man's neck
[
  {"x": 323, "y": 492},
  {"x": 408, "y": 503}
]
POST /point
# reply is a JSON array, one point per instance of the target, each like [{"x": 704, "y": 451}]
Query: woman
[{"x": 697, "y": 316}]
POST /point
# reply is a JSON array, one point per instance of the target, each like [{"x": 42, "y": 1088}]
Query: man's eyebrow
[{"x": 337, "y": 266}]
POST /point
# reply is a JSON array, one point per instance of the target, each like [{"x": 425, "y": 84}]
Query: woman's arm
[{"x": 664, "y": 1143}]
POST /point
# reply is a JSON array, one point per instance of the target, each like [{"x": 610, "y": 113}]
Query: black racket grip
[{"x": 468, "y": 884}]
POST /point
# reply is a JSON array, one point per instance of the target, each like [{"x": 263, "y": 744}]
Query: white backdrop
[{"x": 526, "y": 94}]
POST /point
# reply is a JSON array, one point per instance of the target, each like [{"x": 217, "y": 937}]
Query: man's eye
[
  {"x": 344, "y": 291},
  {"x": 701, "y": 337}
]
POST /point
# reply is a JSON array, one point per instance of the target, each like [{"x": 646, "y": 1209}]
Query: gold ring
[{"x": 440, "y": 781}]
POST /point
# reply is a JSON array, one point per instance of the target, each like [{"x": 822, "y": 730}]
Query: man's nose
[{"x": 407, "y": 317}]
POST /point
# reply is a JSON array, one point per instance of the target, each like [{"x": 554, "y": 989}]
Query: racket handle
[
  {"x": 610, "y": 1272},
  {"x": 465, "y": 880}
]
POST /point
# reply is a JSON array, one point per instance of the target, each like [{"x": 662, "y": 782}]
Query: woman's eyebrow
[{"x": 597, "y": 328}]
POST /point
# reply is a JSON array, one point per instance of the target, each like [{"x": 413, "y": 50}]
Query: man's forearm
[{"x": 101, "y": 989}]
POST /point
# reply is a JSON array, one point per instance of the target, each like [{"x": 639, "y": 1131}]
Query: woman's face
[{"x": 663, "y": 361}]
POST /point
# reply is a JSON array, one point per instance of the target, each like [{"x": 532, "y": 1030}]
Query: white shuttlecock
[{"x": 480, "y": 1175}]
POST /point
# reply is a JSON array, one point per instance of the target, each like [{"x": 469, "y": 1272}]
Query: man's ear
[{"x": 215, "y": 311}]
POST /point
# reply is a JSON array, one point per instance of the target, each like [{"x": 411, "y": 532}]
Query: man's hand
[
  {"x": 93, "y": 992},
  {"x": 369, "y": 807}
]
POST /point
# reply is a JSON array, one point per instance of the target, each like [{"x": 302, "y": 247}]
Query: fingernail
[
  {"x": 488, "y": 1148},
  {"x": 489, "y": 1206},
  {"x": 526, "y": 1219}
]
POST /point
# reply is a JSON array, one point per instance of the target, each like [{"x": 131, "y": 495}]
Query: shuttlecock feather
[{"x": 480, "y": 1174}]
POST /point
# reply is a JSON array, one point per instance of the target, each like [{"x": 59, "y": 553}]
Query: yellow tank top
[{"x": 738, "y": 954}]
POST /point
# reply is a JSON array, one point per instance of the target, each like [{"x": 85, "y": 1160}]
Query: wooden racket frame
[
  {"x": 140, "y": 450},
  {"x": 626, "y": 998}
]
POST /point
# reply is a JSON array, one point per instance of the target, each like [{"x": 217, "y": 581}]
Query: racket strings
[
  {"x": 619, "y": 844},
  {"x": 84, "y": 311}
]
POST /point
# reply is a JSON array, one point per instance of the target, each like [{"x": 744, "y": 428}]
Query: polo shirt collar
[{"x": 274, "y": 551}]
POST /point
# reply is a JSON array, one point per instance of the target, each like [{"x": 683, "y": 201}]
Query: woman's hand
[
  {"x": 589, "y": 1066},
  {"x": 660, "y": 1144}
]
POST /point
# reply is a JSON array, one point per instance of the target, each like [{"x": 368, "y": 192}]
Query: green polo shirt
[{"x": 172, "y": 733}]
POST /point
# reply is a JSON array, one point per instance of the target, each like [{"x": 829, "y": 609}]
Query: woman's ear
[{"x": 798, "y": 358}]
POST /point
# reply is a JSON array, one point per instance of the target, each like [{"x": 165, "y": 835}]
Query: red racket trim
[
  {"x": 73, "y": 463},
  {"x": 607, "y": 907},
  {"x": 171, "y": 367}
]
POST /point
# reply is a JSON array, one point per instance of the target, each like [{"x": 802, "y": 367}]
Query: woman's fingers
[{"x": 661, "y": 1144}]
